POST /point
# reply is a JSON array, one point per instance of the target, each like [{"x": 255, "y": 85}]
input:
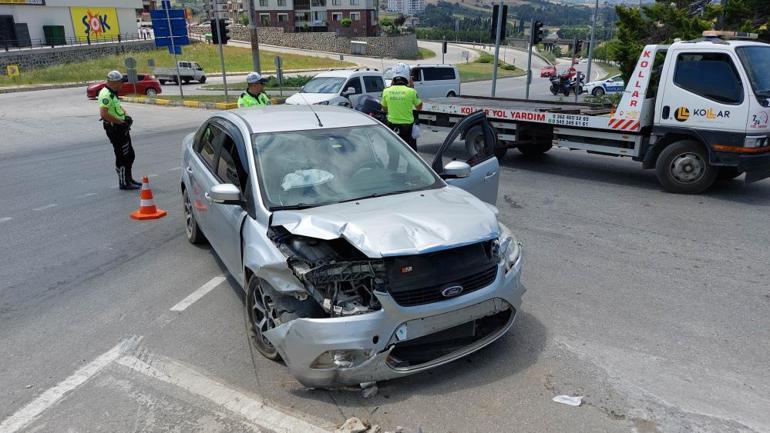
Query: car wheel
[
  {"x": 598, "y": 91},
  {"x": 683, "y": 168},
  {"x": 202, "y": 80},
  {"x": 193, "y": 232},
  {"x": 474, "y": 141},
  {"x": 728, "y": 173},
  {"x": 151, "y": 92},
  {"x": 451, "y": 94}
]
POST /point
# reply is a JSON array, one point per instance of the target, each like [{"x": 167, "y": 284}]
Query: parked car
[
  {"x": 342, "y": 87},
  {"x": 432, "y": 81},
  {"x": 547, "y": 71},
  {"x": 188, "y": 71},
  {"x": 359, "y": 261},
  {"x": 614, "y": 84},
  {"x": 147, "y": 85}
]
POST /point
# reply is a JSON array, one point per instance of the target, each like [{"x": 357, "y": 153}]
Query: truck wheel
[
  {"x": 474, "y": 141},
  {"x": 531, "y": 149},
  {"x": 728, "y": 173},
  {"x": 193, "y": 232},
  {"x": 598, "y": 91},
  {"x": 162, "y": 82},
  {"x": 202, "y": 79},
  {"x": 683, "y": 168}
]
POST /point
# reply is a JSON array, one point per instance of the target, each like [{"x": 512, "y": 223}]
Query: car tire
[
  {"x": 202, "y": 80},
  {"x": 598, "y": 91},
  {"x": 192, "y": 230},
  {"x": 151, "y": 92},
  {"x": 728, "y": 173},
  {"x": 474, "y": 141},
  {"x": 683, "y": 168},
  {"x": 262, "y": 303},
  {"x": 533, "y": 149},
  {"x": 451, "y": 94}
]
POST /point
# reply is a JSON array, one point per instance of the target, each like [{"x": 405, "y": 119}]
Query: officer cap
[
  {"x": 255, "y": 77},
  {"x": 114, "y": 76}
]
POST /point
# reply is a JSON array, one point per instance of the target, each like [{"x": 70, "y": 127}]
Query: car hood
[
  {"x": 403, "y": 224},
  {"x": 309, "y": 98},
  {"x": 95, "y": 86}
]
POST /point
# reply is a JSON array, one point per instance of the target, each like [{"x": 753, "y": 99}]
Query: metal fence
[{"x": 31, "y": 44}]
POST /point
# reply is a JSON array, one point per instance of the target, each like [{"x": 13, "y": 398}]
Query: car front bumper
[{"x": 378, "y": 336}]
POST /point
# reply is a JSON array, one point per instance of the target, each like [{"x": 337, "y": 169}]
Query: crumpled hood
[
  {"x": 309, "y": 98},
  {"x": 403, "y": 224}
]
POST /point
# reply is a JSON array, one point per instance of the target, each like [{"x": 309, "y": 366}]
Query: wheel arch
[{"x": 667, "y": 138}]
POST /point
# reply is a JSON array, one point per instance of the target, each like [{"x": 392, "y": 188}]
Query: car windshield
[
  {"x": 323, "y": 85},
  {"x": 388, "y": 74},
  {"x": 756, "y": 61},
  {"x": 300, "y": 169}
]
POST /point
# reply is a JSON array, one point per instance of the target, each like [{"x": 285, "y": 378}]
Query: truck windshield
[
  {"x": 323, "y": 85},
  {"x": 303, "y": 169},
  {"x": 756, "y": 61}
]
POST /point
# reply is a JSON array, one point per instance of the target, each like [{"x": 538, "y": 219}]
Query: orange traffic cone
[{"x": 147, "y": 209}]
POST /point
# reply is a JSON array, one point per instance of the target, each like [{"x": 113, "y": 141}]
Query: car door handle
[
  {"x": 666, "y": 111},
  {"x": 207, "y": 196},
  {"x": 188, "y": 169},
  {"x": 490, "y": 175}
]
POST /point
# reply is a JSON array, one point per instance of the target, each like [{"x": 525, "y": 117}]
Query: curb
[
  {"x": 176, "y": 103},
  {"x": 34, "y": 87}
]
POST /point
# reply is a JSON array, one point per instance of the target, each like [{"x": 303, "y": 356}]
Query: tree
[
  {"x": 399, "y": 21},
  {"x": 386, "y": 21},
  {"x": 243, "y": 18},
  {"x": 346, "y": 22}
]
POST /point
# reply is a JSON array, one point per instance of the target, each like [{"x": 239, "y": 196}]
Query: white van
[
  {"x": 339, "y": 87},
  {"x": 432, "y": 81}
]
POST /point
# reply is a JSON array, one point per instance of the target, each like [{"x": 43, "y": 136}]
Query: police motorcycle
[{"x": 566, "y": 84}]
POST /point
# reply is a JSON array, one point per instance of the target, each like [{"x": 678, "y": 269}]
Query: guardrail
[{"x": 32, "y": 44}]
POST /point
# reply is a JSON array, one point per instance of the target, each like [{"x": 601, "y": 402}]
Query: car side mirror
[
  {"x": 225, "y": 193},
  {"x": 456, "y": 170},
  {"x": 349, "y": 91}
]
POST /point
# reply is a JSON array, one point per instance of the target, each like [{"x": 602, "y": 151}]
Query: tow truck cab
[{"x": 709, "y": 99}]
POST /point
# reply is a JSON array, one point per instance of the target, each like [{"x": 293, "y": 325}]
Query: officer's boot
[
  {"x": 123, "y": 180},
  {"x": 130, "y": 178}
]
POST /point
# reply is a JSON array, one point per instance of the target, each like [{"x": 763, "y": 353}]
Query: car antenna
[{"x": 320, "y": 125}]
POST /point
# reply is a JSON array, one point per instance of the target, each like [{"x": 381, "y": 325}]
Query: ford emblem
[{"x": 452, "y": 291}]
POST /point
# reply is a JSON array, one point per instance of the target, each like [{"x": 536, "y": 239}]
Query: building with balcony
[
  {"x": 319, "y": 15},
  {"x": 231, "y": 9},
  {"x": 406, "y": 7}
]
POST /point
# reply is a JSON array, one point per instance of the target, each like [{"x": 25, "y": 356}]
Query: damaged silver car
[{"x": 359, "y": 261}]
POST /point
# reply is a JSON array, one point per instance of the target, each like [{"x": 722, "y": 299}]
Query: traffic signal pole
[
  {"x": 254, "y": 37},
  {"x": 497, "y": 47},
  {"x": 532, "y": 31},
  {"x": 591, "y": 46},
  {"x": 221, "y": 33}
]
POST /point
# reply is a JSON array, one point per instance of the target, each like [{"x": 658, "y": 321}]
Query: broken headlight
[
  {"x": 340, "y": 359},
  {"x": 509, "y": 248}
]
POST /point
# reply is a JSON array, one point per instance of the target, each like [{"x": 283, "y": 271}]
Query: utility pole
[
  {"x": 591, "y": 44},
  {"x": 254, "y": 37},
  {"x": 173, "y": 48},
  {"x": 497, "y": 46}
]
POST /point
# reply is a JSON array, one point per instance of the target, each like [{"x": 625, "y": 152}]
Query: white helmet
[
  {"x": 402, "y": 70},
  {"x": 114, "y": 76},
  {"x": 255, "y": 77}
]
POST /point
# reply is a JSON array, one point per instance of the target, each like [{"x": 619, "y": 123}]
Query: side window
[
  {"x": 230, "y": 168},
  {"x": 416, "y": 74},
  {"x": 436, "y": 74},
  {"x": 373, "y": 83},
  {"x": 207, "y": 146},
  {"x": 355, "y": 83},
  {"x": 711, "y": 75}
]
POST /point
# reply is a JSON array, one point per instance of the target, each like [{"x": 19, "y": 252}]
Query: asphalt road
[{"x": 654, "y": 307}]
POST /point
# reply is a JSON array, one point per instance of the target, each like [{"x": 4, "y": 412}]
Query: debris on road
[
  {"x": 28, "y": 387},
  {"x": 352, "y": 425},
  {"x": 569, "y": 400},
  {"x": 369, "y": 389}
]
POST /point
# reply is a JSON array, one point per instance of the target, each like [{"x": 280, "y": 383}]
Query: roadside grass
[
  {"x": 481, "y": 69},
  {"x": 424, "y": 53},
  {"x": 214, "y": 98},
  {"x": 610, "y": 70},
  {"x": 236, "y": 60},
  {"x": 294, "y": 82}
]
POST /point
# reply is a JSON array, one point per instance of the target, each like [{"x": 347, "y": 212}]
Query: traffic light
[
  {"x": 493, "y": 30},
  {"x": 578, "y": 46},
  {"x": 537, "y": 32},
  {"x": 220, "y": 32}
]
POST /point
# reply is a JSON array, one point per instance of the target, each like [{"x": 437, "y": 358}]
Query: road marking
[
  {"x": 88, "y": 194},
  {"x": 248, "y": 406},
  {"x": 48, "y": 206},
  {"x": 174, "y": 168},
  {"x": 201, "y": 292},
  {"x": 24, "y": 416},
  {"x": 5, "y": 219},
  {"x": 152, "y": 175}
]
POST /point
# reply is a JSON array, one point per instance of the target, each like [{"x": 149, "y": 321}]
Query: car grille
[
  {"x": 426, "y": 295},
  {"x": 421, "y": 279}
]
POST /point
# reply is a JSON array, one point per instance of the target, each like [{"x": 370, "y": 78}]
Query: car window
[
  {"x": 207, "y": 146},
  {"x": 355, "y": 83},
  {"x": 436, "y": 74},
  {"x": 710, "y": 75},
  {"x": 325, "y": 166},
  {"x": 230, "y": 169},
  {"x": 373, "y": 83},
  {"x": 416, "y": 74},
  {"x": 323, "y": 85}
]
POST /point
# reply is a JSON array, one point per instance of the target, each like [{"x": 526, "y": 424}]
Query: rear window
[
  {"x": 435, "y": 74},
  {"x": 373, "y": 83}
]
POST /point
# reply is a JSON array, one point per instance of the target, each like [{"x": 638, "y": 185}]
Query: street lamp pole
[
  {"x": 253, "y": 36},
  {"x": 591, "y": 44}
]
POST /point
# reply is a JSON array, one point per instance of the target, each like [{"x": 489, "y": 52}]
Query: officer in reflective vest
[
  {"x": 117, "y": 124},
  {"x": 255, "y": 95},
  {"x": 398, "y": 101}
]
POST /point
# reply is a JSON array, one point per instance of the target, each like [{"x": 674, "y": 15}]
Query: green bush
[
  {"x": 485, "y": 58},
  {"x": 295, "y": 81},
  {"x": 346, "y": 22}
]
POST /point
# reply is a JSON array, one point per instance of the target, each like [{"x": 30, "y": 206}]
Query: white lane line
[
  {"x": 5, "y": 219},
  {"x": 88, "y": 194},
  {"x": 174, "y": 168},
  {"x": 201, "y": 292},
  {"x": 250, "y": 407},
  {"x": 46, "y": 207},
  {"x": 24, "y": 416},
  {"x": 152, "y": 175}
]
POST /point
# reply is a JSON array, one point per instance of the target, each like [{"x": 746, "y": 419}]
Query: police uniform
[
  {"x": 399, "y": 101},
  {"x": 119, "y": 136},
  {"x": 248, "y": 99}
]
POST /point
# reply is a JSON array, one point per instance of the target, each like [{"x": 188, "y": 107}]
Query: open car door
[{"x": 478, "y": 173}]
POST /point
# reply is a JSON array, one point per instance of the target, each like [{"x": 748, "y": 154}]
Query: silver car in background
[{"x": 359, "y": 261}]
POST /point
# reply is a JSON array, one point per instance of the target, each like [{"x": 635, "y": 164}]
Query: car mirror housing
[
  {"x": 225, "y": 193},
  {"x": 456, "y": 170},
  {"x": 349, "y": 91}
]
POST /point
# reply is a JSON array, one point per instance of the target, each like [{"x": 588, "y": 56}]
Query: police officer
[
  {"x": 117, "y": 124},
  {"x": 398, "y": 101},
  {"x": 255, "y": 95}
]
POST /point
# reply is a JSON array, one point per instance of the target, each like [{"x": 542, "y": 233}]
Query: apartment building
[
  {"x": 319, "y": 15},
  {"x": 406, "y": 7},
  {"x": 232, "y": 9}
]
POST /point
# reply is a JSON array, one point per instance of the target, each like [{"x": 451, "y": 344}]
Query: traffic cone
[{"x": 147, "y": 209}]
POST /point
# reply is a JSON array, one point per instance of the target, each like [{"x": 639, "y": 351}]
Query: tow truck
[{"x": 694, "y": 111}]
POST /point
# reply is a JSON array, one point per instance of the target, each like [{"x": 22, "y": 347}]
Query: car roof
[
  {"x": 347, "y": 73},
  {"x": 282, "y": 118},
  {"x": 422, "y": 65}
]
